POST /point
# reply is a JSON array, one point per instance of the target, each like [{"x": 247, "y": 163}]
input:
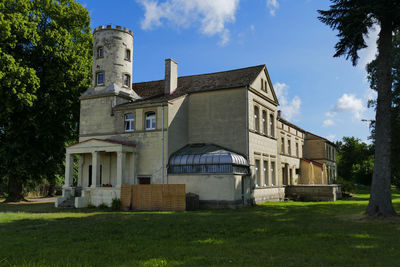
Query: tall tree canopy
[
  {"x": 372, "y": 77},
  {"x": 353, "y": 19},
  {"x": 45, "y": 64}
]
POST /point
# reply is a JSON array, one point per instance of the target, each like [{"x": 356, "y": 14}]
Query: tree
[
  {"x": 353, "y": 19},
  {"x": 45, "y": 64},
  {"x": 355, "y": 161},
  {"x": 372, "y": 77}
]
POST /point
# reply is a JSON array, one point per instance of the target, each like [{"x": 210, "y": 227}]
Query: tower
[{"x": 111, "y": 78}]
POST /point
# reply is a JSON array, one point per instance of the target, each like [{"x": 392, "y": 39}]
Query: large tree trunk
[
  {"x": 380, "y": 202},
  {"x": 14, "y": 191}
]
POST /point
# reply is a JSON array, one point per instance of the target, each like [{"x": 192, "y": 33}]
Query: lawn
[{"x": 279, "y": 234}]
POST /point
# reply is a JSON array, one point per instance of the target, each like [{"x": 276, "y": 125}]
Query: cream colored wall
[
  {"x": 218, "y": 117},
  {"x": 262, "y": 145},
  {"x": 178, "y": 120},
  {"x": 226, "y": 187}
]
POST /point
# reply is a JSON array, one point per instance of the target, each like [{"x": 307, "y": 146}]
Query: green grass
[{"x": 278, "y": 234}]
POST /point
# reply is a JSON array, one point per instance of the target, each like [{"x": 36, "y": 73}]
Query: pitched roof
[
  {"x": 108, "y": 140},
  {"x": 153, "y": 91}
]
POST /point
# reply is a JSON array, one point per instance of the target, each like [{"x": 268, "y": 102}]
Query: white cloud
[
  {"x": 349, "y": 102},
  {"x": 290, "y": 109},
  {"x": 211, "y": 15},
  {"x": 330, "y": 114},
  {"x": 273, "y": 5},
  {"x": 368, "y": 54},
  {"x": 327, "y": 122},
  {"x": 331, "y": 137}
]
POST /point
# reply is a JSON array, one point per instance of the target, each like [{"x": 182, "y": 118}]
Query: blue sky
[{"x": 321, "y": 94}]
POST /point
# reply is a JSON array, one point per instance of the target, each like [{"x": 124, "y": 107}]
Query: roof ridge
[{"x": 202, "y": 74}]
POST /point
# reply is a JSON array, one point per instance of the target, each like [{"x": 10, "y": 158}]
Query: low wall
[
  {"x": 265, "y": 194},
  {"x": 321, "y": 192},
  {"x": 99, "y": 195}
]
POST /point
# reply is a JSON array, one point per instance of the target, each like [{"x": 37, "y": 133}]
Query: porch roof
[{"x": 101, "y": 145}]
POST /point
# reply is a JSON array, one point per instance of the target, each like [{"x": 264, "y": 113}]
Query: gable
[{"x": 262, "y": 84}]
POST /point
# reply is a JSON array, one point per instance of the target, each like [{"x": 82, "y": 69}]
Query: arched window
[
  {"x": 271, "y": 125},
  {"x": 129, "y": 122},
  {"x": 256, "y": 119},
  {"x": 100, "y": 51},
  {"x": 264, "y": 120},
  {"x": 150, "y": 121},
  {"x": 127, "y": 80}
]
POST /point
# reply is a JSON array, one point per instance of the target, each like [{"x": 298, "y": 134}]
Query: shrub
[
  {"x": 103, "y": 206},
  {"x": 347, "y": 186},
  {"x": 116, "y": 204}
]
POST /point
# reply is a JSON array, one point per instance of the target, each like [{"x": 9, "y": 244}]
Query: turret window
[
  {"x": 128, "y": 54},
  {"x": 129, "y": 122},
  {"x": 100, "y": 52},
  {"x": 100, "y": 78},
  {"x": 150, "y": 121},
  {"x": 127, "y": 80}
]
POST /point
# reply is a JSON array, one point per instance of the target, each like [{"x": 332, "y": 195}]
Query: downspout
[
  {"x": 247, "y": 144},
  {"x": 162, "y": 143}
]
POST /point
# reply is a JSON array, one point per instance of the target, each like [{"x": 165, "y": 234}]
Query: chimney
[
  {"x": 171, "y": 76},
  {"x": 279, "y": 113}
]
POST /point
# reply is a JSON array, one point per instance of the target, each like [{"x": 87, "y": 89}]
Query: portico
[{"x": 103, "y": 166}]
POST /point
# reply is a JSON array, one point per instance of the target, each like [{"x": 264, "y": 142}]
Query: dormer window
[
  {"x": 128, "y": 54},
  {"x": 100, "y": 78},
  {"x": 100, "y": 52},
  {"x": 127, "y": 80}
]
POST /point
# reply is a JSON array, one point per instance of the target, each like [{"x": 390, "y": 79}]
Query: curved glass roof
[{"x": 206, "y": 154}]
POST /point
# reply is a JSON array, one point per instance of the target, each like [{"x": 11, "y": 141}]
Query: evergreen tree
[
  {"x": 372, "y": 77},
  {"x": 353, "y": 19},
  {"x": 45, "y": 64}
]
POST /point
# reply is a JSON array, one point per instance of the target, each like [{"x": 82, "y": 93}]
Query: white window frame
[
  {"x": 97, "y": 78},
  {"x": 129, "y": 123},
  {"x": 151, "y": 118}
]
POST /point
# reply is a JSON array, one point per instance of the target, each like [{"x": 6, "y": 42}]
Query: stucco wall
[
  {"x": 178, "y": 120},
  {"x": 218, "y": 117}
]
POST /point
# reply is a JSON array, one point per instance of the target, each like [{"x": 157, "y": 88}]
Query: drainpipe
[{"x": 162, "y": 143}]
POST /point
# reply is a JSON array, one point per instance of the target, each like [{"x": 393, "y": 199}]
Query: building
[{"x": 218, "y": 133}]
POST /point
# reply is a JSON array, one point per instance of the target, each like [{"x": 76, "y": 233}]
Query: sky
[{"x": 324, "y": 95}]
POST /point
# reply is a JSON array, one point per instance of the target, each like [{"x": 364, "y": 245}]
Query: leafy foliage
[
  {"x": 355, "y": 160},
  {"x": 45, "y": 64}
]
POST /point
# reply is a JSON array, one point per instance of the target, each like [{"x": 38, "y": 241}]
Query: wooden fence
[{"x": 153, "y": 197}]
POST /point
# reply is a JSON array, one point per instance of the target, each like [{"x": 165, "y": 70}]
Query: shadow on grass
[{"x": 289, "y": 233}]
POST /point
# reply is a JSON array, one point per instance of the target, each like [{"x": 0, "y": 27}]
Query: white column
[
  {"x": 69, "y": 170},
  {"x": 80, "y": 169},
  {"x": 121, "y": 158},
  {"x": 95, "y": 169}
]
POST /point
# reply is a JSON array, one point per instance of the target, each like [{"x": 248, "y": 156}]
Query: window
[
  {"x": 262, "y": 84},
  {"x": 144, "y": 180},
  {"x": 128, "y": 54},
  {"x": 265, "y": 86},
  {"x": 129, "y": 122},
  {"x": 297, "y": 149},
  {"x": 264, "y": 119},
  {"x": 266, "y": 173},
  {"x": 272, "y": 173},
  {"x": 100, "y": 78},
  {"x": 100, "y": 52},
  {"x": 289, "y": 148},
  {"x": 127, "y": 80},
  {"x": 256, "y": 120},
  {"x": 150, "y": 121},
  {"x": 271, "y": 125},
  {"x": 257, "y": 172},
  {"x": 282, "y": 145}
]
